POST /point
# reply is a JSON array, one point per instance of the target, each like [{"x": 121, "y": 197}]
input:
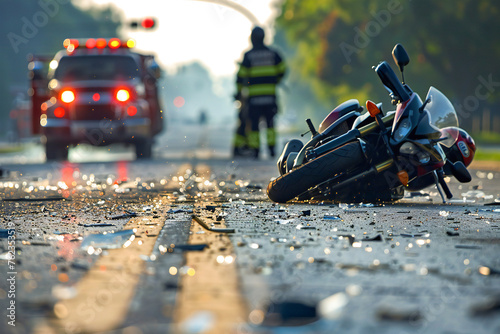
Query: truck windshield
[{"x": 101, "y": 67}]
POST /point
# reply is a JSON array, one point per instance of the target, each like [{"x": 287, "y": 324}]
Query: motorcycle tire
[{"x": 288, "y": 186}]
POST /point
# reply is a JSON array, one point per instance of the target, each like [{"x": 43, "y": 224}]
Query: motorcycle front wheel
[{"x": 340, "y": 161}]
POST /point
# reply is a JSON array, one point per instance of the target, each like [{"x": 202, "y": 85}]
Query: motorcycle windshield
[{"x": 442, "y": 115}]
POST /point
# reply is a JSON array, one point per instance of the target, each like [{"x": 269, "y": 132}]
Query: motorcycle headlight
[
  {"x": 412, "y": 149},
  {"x": 402, "y": 130},
  {"x": 408, "y": 148},
  {"x": 423, "y": 157}
]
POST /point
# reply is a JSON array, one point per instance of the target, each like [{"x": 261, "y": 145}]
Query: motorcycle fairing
[{"x": 341, "y": 110}]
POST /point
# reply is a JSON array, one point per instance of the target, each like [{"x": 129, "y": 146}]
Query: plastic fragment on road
[
  {"x": 496, "y": 202},
  {"x": 345, "y": 206},
  {"x": 34, "y": 199},
  {"x": 210, "y": 208},
  {"x": 179, "y": 211},
  {"x": 305, "y": 227},
  {"x": 332, "y": 307},
  {"x": 488, "y": 271},
  {"x": 329, "y": 217},
  {"x": 60, "y": 291},
  {"x": 486, "y": 308},
  {"x": 468, "y": 247},
  {"x": 289, "y": 313},
  {"x": 460, "y": 201},
  {"x": 5, "y": 233},
  {"x": 378, "y": 237},
  {"x": 414, "y": 235},
  {"x": 97, "y": 225},
  {"x": 212, "y": 229},
  {"x": 108, "y": 240},
  {"x": 199, "y": 322},
  {"x": 7, "y": 256},
  {"x": 391, "y": 313},
  {"x": 283, "y": 221},
  {"x": 191, "y": 247},
  {"x": 128, "y": 214},
  {"x": 476, "y": 194},
  {"x": 254, "y": 245}
]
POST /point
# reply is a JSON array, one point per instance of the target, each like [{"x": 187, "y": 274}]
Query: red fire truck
[{"x": 98, "y": 92}]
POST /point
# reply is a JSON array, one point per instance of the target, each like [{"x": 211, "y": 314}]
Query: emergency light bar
[{"x": 70, "y": 44}]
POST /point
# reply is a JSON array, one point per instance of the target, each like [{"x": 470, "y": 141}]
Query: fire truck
[{"x": 97, "y": 92}]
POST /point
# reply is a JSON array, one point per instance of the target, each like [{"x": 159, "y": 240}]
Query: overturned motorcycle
[{"x": 369, "y": 157}]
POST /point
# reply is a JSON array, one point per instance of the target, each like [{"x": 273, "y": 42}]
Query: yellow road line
[
  {"x": 105, "y": 292},
  {"x": 212, "y": 285}
]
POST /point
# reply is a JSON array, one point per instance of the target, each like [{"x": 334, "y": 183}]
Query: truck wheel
[
  {"x": 143, "y": 149},
  {"x": 56, "y": 151},
  {"x": 312, "y": 173}
]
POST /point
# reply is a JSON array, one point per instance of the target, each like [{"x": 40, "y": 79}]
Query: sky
[{"x": 194, "y": 30}]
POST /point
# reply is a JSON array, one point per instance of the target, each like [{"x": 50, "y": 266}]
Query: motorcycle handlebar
[{"x": 391, "y": 81}]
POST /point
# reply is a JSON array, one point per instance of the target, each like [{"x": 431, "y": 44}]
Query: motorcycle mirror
[
  {"x": 400, "y": 56},
  {"x": 460, "y": 172}
]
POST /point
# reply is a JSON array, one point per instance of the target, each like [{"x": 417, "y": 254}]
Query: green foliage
[
  {"x": 486, "y": 138},
  {"x": 486, "y": 155},
  {"x": 29, "y": 27},
  {"x": 451, "y": 44}
]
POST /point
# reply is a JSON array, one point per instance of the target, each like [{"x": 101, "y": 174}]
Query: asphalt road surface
[{"x": 189, "y": 243}]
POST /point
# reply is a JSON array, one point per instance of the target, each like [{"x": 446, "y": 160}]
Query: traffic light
[
  {"x": 148, "y": 23},
  {"x": 145, "y": 23}
]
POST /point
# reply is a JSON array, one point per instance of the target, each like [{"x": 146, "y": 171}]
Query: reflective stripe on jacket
[{"x": 259, "y": 73}]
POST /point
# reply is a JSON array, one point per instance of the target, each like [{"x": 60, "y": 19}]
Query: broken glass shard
[
  {"x": 108, "y": 240},
  {"x": 328, "y": 217}
]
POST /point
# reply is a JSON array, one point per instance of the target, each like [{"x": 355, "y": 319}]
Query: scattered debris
[
  {"x": 412, "y": 235},
  {"x": 468, "y": 246},
  {"x": 378, "y": 237},
  {"x": 97, "y": 225},
  {"x": 212, "y": 229},
  {"x": 107, "y": 240},
  {"x": 390, "y": 313},
  {"x": 128, "y": 214},
  {"x": 191, "y": 247},
  {"x": 289, "y": 314},
  {"x": 488, "y": 271},
  {"x": 305, "y": 227},
  {"x": 328, "y": 217},
  {"x": 444, "y": 213},
  {"x": 486, "y": 308}
]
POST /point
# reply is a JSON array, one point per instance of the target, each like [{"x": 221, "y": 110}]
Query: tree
[
  {"x": 452, "y": 46},
  {"x": 40, "y": 27}
]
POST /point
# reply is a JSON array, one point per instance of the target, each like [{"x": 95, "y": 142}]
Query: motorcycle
[{"x": 370, "y": 157}]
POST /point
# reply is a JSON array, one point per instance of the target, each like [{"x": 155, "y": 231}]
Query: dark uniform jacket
[{"x": 261, "y": 70}]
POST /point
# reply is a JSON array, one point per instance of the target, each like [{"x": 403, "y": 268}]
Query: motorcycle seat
[{"x": 341, "y": 110}]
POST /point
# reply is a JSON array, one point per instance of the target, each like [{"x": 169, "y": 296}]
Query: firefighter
[{"x": 260, "y": 71}]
